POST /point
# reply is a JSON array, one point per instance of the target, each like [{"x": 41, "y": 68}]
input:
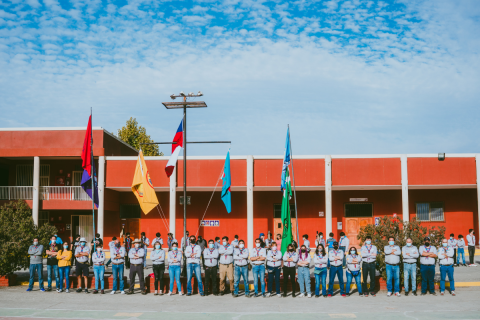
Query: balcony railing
[
  {"x": 16, "y": 193},
  {"x": 46, "y": 193},
  {"x": 63, "y": 193}
]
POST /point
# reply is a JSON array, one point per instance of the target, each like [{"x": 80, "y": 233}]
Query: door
[
  {"x": 278, "y": 228},
  {"x": 352, "y": 228},
  {"x": 133, "y": 226},
  {"x": 85, "y": 227}
]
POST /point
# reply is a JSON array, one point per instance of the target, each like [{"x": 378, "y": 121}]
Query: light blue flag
[
  {"x": 227, "y": 182},
  {"x": 286, "y": 160}
]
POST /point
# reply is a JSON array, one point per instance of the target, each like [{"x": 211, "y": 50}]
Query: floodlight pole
[{"x": 185, "y": 171}]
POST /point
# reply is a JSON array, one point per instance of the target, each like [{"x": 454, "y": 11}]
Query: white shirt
[
  {"x": 290, "y": 255},
  {"x": 258, "y": 252},
  {"x": 196, "y": 251},
  {"x": 274, "y": 258},
  {"x": 240, "y": 256},
  {"x": 470, "y": 240}
]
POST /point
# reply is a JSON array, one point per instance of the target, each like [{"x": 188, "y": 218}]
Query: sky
[{"x": 349, "y": 77}]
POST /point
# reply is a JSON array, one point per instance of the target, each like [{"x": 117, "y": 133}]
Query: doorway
[
  {"x": 357, "y": 215},
  {"x": 82, "y": 225},
  {"x": 277, "y": 221}
]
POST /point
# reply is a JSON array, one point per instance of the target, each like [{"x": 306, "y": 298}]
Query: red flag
[{"x": 87, "y": 150}]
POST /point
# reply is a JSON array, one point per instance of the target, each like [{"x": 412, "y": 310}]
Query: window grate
[
  {"x": 130, "y": 211},
  {"x": 277, "y": 210},
  {"x": 430, "y": 211},
  {"x": 357, "y": 210}
]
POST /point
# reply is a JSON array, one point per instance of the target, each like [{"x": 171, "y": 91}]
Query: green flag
[{"x": 286, "y": 217}]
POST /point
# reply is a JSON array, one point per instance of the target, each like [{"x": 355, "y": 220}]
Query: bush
[
  {"x": 401, "y": 231},
  {"x": 16, "y": 236}
]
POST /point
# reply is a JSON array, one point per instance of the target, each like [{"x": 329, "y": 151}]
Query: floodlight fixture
[{"x": 441, "y": 156}]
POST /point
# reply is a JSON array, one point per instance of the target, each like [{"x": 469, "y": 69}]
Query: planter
[{"x": 8, "y": 280}]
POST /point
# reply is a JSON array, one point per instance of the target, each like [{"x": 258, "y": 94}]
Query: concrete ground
[{"x": 15, "y": 303}]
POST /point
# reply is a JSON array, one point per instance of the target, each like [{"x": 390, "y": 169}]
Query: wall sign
[
  {"x": 358, "y": 199},
  {"x": 377, "y": 221},
  {"x": 210, "y": 223},
  {"x": 321, "y": 214},
  {"x": 339, "y": 225}
]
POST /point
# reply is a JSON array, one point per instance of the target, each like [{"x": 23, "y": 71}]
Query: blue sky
[{"x": 350, "y": 77}]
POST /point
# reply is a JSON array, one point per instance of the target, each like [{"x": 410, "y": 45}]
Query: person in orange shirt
[{"x": 64, "y": 264}]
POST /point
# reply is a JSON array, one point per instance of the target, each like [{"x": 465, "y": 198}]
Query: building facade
[{"x": 334, "y": 193}]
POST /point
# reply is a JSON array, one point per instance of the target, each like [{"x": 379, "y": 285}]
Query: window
[
  {"x": 25, "y": 175},
  {"x": 430, "y": 211},
  {"x": 277, "y": 210},
  {"x": 130, "y": 211},
  {"x": 42, "y": 218},
  {"x": 354, "y": 210}
]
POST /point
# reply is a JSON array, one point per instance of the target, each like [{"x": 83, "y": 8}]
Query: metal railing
[
  {"x": 16, "y": 193},
  {"x": 63, "y": 193}
]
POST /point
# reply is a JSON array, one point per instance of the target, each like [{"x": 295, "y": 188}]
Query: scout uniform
[
  {"x": 336, "y": 270},
  {"x": 274, "y": 261},
  {"x": 193, "y": 253},
  {"x": 353, "y": 271},
  {"x": 210, "y": 256},
  {"x": 446, "y": 261},
  {"x": 369, "y": 258},
  {"x": 136, "y": 266},
  {"x": 427, "y": 268},
  {"x": 392, "y": 261},
  {"x": 240, "y": 257},
  {"x": 410, "y": 256},
  {"x": 258, "y": 268},
  {"x": 117, "y": 267},
  {"x": 226, "y": 267}
]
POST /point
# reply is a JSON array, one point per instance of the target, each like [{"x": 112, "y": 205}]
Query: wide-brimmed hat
[
  {"x": 83, "y": 240},
  {"x": 426, "y": 238},
  {"x": 137, "y": 241}
]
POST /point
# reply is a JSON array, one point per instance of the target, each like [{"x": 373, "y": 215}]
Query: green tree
[
  {"x": 401, "y": 231},
  {"x": 134, "y": 135},
  {"x": 16, "y": 235}
]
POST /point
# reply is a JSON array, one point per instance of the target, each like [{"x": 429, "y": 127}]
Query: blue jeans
[
  {"x": 259, "y": 272},
  {"x": 38, "y": 267},
  {"x": 99, "y": 271},
  {"x": 428, "y": 275},
  {"x": 461, "y": 252},
  {"x": 410, "y": 270},
  {"x": 358, "y": 281},
  {"x": 344, "y": 249},
  {"x": 444, "y": 271},
  {"x": 304, "y": 279},
  {"x": 64, "y": 274},
  {"x": 117, "y": 270},
  {"x": 241, "y": 271},
  {"x": 273, "y": 273},
  {"x": 323, "y": 278},
  {"x": 336, "y": 271},
  {"x": 194, "y": 268},
  {"x": 50, "y": 270},
  {"x": 393, "y": 272},
  {"x": 174, "y": 273}
]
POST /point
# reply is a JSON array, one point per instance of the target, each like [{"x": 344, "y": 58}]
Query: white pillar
[
  {"x": 477, "y": 161},
  {"x": 36, "y": 189},
  {"x": 328, "y": 195},
  {"x": 404, "y": 166},
  {"x": 101, "y": 195},
  {"x": 172, "y": 205},
  {"x": 250, "y": 240}
]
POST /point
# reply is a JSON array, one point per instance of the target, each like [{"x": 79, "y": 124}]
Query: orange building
[{"x": 334, "y": 193}]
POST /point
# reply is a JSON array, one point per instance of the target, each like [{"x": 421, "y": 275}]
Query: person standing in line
[
  {"x": 174, "y": 268},
  {"x": 257, "y": 258},
  {"x": 471, "y": 247},
  {"x": 274, "y": 262},
  {"x": 392, "y": 261},
  {"x": 97, "y": 241},
  {"x": 268, "y": 241},
  {"x": 306, "y": 242},
  {"x": 202, "y": 244},
  {"x": 217, "y": 243},
  {"x": 304, "y": 272},
  {"x": 240, "y": 257},
  {"x": 344, "y": 244},
  {"x": 58, "y": 240},
  {"x": 158, "y": 261},
  {"x": 36, "y": 264},
  {"x": 145, "y": 242},
  {"x": 99, "y": 268},
  {"x": 453, "y": 243},
  {"x": 74, "y": 246},
  {"x": 290, "y": 259},
  {"x": 369, "y": 257},
  {"x": 279, "y": 241},
  {"x": 184, "y": 245},
  {"x": 353, "y": 270},
  {"x": 193, "y": 252},
  {"x": 320, "y": 259},
  {"x": 320, "y": 240},
  {"x": 170, "y": 241},
  {"x": 136, "y": 256},
  {"x": 111, "y": 244},
  {"x": 461, "y": 250},
  {"x": 445, "y": 258},
  {"x": 336, "y": 259},
  {"x": 234, "y": 243},
  {"x": 330, "y": 242},
  {"x": 427, "y": 266},
  {"x": 52, "y": 264},
  {"x": 410, "y": 255},
  {"x": 262, "y": 242},
  {"x": 128, "y": 245},
  {"x": 158, "y": 238},
  {"x": 210, "y": 256},
  {"x": 64, "y": 258},
  {"x": 117, "y": 252},
  {"x": 82, "y": 253},
  {"x": 226, "y": 265}
]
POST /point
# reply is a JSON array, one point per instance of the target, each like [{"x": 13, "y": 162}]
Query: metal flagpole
[
  {"x": 185, "y": 171},
  {"x": 293, "y": 180},
  {"x": 92, "y": 177}
]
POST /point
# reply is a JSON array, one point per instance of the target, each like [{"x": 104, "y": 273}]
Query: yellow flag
[{"x": 142, "y": 186}]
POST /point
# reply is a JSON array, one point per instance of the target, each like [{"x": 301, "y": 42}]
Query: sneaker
[
  {"x": 317, "y": 296},
  {"x": 360, "y": 295},
  {"x": 325, "y": 296},
  {"x": 267, "y": 295},
  {"x": 67, "y": 291},
  {"x": 43, "y": 290},
  {"x": 473, "y": 265},
  {"x": 169, "y": 294},
  {"x": 234, "y": 295},
  {"x": 329, "y": 296},
  {"x": 344, "y": 295},
  {"x": 442, "y": 293},
  {"x": 397, "y": 294},
  {"x": 414, "y": 293},
  {"x": 79, "y": 290},
  {"x": 453, "y": 293},
  {"x": 189, "y": 294},
  {"x": 113, "y": 292},
  {"x": 373, "y": 294},
  {"x": 309, "y": 295},
  {"x": 95, "y": 291},
  {"x": 389, "y": 294},
  {"x": 264, "y": 295},
  {"x": 160, "y": 292},
  {"x": 144, "y": 292},
  {"x": 122, "y": 292},
  {"x": 247, "y": 295},
  {"x": 156, "y": 293},
  {"x": 86, "y": 290},
  {"x": 279, "y": 295},
  {"x": 29, "y": 289},
  {"x": 433, "y": 293},
  {"x": 103, "y": 291},
  {"x": 301, "y": 295},
  {"x": 424, "y": 294},
  {"x": 181, "y": 294},
  {"x": 49, "y": 289},
  {"x": 366, "y": 295},
  {"x": 406, "y": 293}
]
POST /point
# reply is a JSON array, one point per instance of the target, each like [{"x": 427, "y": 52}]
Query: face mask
[
  {"x": 224, "y": 243},
  {"x": 352, "y": 252},
  {"x": 303, "y": 239},
  {"x": 53, "y": 241},
  {"x": 211, "y": 245},
  {"x": 291, "y": 249},
  {"x": 444, "y": 244},
  {"x": 409, "y": 244},
  {"x": 427, "y": 244},
  {"x": 451, "y": 238},
  {"x": 368, "y": 241},
  {"x": 175, "y": 248},
  {"x": 137, "y": 245},
  {"x": 192, "y": 240},
  {"x": 82, "y": 244},
  {"x": 304, "y": 250},
  {"x": 99, "y": 249},
  {"x": 335, "y": 247},
  {"x": 65, "y": 247},
  {"x": 391, "y": 243},
  {"x": 157, "y": 246},
  {"x": 321, "y": 237},
  {"x": 257, "y": 244},
  {"x": 274, "y": 248},
  {"x": 35, "y": 243},
  {"x": 241, "y": 245}
]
